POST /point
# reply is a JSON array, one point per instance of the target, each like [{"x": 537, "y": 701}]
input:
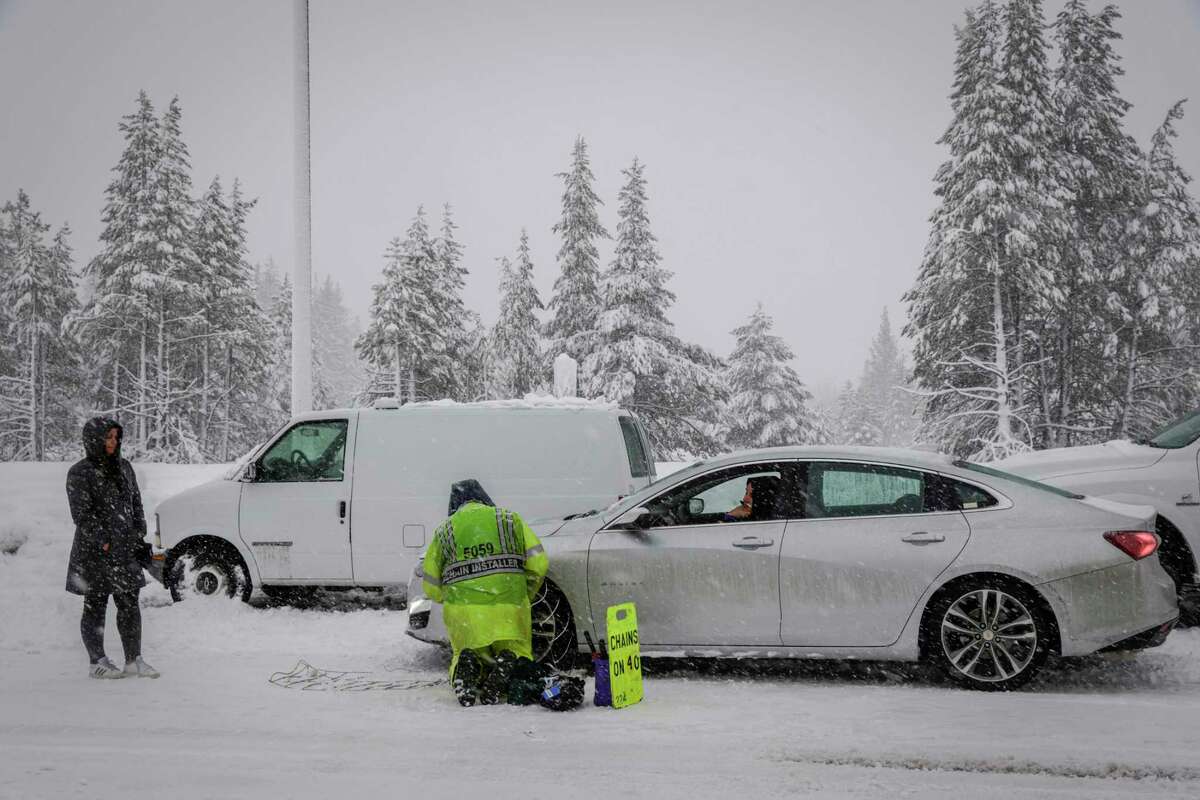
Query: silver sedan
[{"x": 853, "y": 553}]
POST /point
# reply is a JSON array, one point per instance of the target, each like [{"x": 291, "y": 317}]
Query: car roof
[
  {"x": 915, "y": 458},
  {"x": 438, "y": 407}
]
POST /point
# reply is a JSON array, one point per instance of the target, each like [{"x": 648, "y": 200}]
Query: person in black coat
[{"x": 109, "y": 551}]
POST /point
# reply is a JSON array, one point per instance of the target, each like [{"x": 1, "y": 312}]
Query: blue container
[{"x": 603, "y": 686}]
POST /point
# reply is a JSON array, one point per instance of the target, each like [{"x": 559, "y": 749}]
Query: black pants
[{"x": 129, "y": 624}]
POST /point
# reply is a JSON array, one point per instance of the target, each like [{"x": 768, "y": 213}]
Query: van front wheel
[{"x": 208, "y": 571}]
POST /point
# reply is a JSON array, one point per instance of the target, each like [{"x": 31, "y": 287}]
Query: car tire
[
  {"x": 554, "y": 640},
  {"x": 206, "y": 570},
  {"x": 988, "y": 634}
]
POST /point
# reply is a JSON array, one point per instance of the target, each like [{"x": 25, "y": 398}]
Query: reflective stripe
[
  {"x": 500, "y": 537},
  {"x": 479, "y": 567},
  {"x": 510, "y": 533},
  {"x": 449, "y": 551},
  {"x": 432, "y": 581},
  {"x": 535, "y": 550}
]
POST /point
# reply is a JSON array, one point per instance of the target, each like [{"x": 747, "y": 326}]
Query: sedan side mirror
[
  {"x": 696, "y": 506},
  {"x": 635, "y": 519},
  {"x": 249, "y": 473}
]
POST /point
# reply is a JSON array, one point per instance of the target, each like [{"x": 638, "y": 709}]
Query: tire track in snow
[{"x": 1109, "y": 771}]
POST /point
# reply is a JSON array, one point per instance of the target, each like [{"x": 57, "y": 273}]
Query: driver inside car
[{"x": 761, "y": 492}]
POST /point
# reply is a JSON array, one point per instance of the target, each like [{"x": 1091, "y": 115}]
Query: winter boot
[
  {"x": 140, "y": 669},
  {"x": 494, "y": 688},
  {"x": 468, "y": 677},
  {"x": 561, "y": 693},
  {"x": 104, "y": 669}
]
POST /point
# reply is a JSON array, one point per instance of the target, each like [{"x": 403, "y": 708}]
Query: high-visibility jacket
[{"x": 484, "y": 566}]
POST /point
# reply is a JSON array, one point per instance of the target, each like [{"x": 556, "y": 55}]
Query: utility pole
[{"x": 302, "y": 221}]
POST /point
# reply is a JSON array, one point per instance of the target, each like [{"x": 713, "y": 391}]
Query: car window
[
  {"x": 970, "y": 497},
  {"x": 309, "y": 451},
  {"x": 639, "y": 464},
  {"x": 858, "y": 490},
  {"x": 717, "y": 498}
]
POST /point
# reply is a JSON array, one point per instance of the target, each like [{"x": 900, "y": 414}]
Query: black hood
[
  {"x": 94, "y": 431},
  {"x": 467, "y": 491}
]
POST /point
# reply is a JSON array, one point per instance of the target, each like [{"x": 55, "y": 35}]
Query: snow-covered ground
[{"x": 213, "y": 726}]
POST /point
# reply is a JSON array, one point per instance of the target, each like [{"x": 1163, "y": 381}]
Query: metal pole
[{"x": 302, "y": 222}]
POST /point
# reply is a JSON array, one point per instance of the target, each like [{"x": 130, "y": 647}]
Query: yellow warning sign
[{"x": 624, "y": 655}]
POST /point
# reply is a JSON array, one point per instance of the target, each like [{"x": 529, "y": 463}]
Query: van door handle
[
  {"x": 923, "y": 537},
  {"x": 753, "y": 543},
  {"x": 342, "y": 511}
]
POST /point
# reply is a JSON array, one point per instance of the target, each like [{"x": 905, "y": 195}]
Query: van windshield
[{"x": 1179, "y": 433}]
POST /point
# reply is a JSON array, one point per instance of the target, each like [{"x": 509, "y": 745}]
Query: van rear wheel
[
  {"x": 208, "y": 571},
  {"x": 554, "y": 641}
]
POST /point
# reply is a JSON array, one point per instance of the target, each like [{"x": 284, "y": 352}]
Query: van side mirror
[
  {"x": 635, "y": 519},
  {"x": 249, "y": 473}
]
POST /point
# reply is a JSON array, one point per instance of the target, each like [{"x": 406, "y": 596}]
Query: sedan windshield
[{"x": 1179, "y": 433}]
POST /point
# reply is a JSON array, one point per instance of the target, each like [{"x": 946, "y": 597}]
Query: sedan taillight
[{"x": 1135, "y": 544}]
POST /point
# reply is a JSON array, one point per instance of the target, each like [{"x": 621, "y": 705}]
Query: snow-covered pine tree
[
  {"x": 769, "y": 404},
  {"x": 266, "y": 283},
  {"x": 174, "y": 285},
  {"x": 638, "y": 361},
  {"x": 475, "y": 354},
  {"x": 62, "y": 369},
  {"x": 404, "y": 342},
  {"x": 885, "y": 391},
  {"x": 1102, "y": 181},
  {"x": 37, "y": 293},
  {"x": 147, "y": 288},
  {"x": 456, "y": 333},
  {"x": 232, "y": 359},
  {"x": 856, "y": 422},
  {"x": 115, "y": 322},
  {"x": 1035, "y": 195},
  {"x": 277, "y": 398},
  {"x": 516, "y": 354},
  {"x": 977, "y": 260},
  {"x": 1157, "y": 373},
  {"x": 333, "y": 341},
  {"x": 575, "y": 302}
]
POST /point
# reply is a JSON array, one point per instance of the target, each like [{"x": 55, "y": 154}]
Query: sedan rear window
[{"x": 1008, "y": 476}]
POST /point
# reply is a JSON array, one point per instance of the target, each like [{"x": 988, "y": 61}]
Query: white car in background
[{"x": 1162, "y": 471}]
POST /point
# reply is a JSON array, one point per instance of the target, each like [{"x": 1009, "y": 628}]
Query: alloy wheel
[{"x": 988, "y": 635}]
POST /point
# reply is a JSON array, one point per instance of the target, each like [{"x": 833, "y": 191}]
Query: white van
[{"x": 351, "y": 497}]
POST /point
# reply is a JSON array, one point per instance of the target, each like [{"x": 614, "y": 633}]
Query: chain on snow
[{"x": 306, "y": 677}]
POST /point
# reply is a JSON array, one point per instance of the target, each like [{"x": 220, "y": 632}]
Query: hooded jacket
[
  {"x": 109, "y": 550},
  {"x": 484, "y": 565}
]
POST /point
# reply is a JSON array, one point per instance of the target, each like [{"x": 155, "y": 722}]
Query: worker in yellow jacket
[{"x": 484, "y": 566}]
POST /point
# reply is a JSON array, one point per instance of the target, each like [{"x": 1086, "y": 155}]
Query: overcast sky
[{"x": 789, "y": 146}]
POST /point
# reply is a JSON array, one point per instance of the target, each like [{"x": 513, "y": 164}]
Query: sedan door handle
[
  {"x": 923, "y": 537},
  {"x": 342, "y": 511},
  {"x": 753, "y": 543}
]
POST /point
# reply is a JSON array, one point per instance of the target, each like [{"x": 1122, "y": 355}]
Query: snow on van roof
[{"x": 528, "y": 401}]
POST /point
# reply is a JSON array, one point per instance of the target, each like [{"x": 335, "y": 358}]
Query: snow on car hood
[{"x": 1117, "y": 454}]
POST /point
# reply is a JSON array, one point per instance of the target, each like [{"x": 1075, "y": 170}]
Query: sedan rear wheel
[{"x": 988, "y": 636}]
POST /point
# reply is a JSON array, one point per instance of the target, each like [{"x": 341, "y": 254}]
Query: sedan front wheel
[{"x": 987, "y": 635}]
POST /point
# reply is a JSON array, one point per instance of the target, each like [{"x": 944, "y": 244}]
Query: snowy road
[{"x": 214, "y": 727}]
